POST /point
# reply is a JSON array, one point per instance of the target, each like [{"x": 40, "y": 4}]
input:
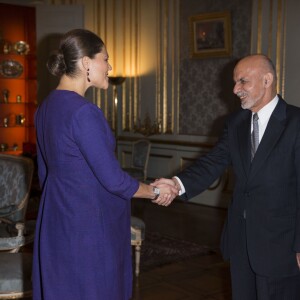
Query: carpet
[{"x": 158, "y": 250}]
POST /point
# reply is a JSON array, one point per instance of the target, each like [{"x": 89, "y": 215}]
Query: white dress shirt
[{"x": 263, "y": 118}]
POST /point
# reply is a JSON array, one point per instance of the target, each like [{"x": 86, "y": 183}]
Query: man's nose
[{"x": 236, "y": 88}]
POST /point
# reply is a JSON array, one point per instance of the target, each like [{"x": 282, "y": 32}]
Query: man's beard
[{"x": 247, "y": 103}]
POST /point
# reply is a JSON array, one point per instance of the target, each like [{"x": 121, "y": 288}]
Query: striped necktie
[{"x": 254, "y": 135}]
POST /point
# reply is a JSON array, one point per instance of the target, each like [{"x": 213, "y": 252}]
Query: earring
[{"x": 87, "y": 75}]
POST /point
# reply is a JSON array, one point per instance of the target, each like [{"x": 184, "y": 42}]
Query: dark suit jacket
[{"x": 268, "y": 188}]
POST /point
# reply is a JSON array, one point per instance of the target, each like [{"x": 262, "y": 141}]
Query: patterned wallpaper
[{"x": 206, "y": 85}]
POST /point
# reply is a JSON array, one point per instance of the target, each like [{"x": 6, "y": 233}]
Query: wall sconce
[{"x": 115, "y": 81}]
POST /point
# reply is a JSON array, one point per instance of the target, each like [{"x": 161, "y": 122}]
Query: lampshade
[{"x": 116, "y": 80}]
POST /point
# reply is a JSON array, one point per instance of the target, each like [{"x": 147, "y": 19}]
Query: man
[{"x": 261, "y": 237}]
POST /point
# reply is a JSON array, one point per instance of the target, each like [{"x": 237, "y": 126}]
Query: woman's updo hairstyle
[{"x": 74, "y": 45}]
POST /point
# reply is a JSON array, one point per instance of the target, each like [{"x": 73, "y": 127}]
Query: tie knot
[{"x": 255, "y": 117}]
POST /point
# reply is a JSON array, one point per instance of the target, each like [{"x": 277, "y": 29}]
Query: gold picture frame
[{"x": 210, "y": 35}]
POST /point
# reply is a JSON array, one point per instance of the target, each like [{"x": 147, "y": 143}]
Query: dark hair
[{"x": 74, "y": 45}]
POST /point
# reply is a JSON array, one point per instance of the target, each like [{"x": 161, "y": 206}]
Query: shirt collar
[{"x": 264, "y": 114}]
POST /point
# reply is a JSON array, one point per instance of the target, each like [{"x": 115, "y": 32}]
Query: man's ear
[{"x": 268, "y": 79}]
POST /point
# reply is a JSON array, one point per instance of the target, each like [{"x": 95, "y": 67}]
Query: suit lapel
[{"x": 272, "y": 134}]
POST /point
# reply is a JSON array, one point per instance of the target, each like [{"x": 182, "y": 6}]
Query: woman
[{"x": 82, "y": 245}]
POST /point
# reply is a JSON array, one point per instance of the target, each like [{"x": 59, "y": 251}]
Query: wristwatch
[{"x": 156, "y": 192}]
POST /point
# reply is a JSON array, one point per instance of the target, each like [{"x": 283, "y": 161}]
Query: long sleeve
[
  {"x": 96, "y": 143},
  {"x": 201, "y": 174}
]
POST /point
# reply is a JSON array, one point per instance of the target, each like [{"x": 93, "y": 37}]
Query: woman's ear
[{"x": 85, "y": 62}]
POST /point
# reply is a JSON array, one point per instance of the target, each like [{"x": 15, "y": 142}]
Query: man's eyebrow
[{"x": 241, "y": 79}]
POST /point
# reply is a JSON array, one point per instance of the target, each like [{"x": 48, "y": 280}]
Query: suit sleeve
[{"x": 201, "y": 174}]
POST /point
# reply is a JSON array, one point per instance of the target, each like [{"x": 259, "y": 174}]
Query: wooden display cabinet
[{"x": 18, "y": 84}]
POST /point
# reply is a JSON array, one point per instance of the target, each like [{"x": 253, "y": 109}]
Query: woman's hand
[{"x": 168, "y": 191}]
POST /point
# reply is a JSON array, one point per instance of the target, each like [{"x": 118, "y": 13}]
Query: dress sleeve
[{"x": 96, "y": 143}]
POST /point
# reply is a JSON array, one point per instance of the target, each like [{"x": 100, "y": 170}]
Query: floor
[
  {"x": 201, "y": 278},
  {"x": 206, "y": 277}
]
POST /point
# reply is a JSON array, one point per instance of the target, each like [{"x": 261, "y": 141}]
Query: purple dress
[{"x": 82, "y": 243}]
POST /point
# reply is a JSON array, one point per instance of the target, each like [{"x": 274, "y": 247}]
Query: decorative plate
[
  {"x": 10, "y": 68},
  {"x": 21, "y": 47}
]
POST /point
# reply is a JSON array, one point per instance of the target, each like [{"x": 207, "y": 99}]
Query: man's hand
[
  {"x": 298, "y": 259},
  {"x": 168, "y": 191}
]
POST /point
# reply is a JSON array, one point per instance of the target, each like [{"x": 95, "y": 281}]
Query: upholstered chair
[
  {"x": 139, "y": 159},
  {"x": 16, "y": 174}
]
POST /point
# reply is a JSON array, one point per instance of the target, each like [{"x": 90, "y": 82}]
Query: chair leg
[{"x": 137, "y": 259}]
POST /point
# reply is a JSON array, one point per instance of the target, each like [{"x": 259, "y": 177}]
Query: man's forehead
[{"x": 244, "y": 72}]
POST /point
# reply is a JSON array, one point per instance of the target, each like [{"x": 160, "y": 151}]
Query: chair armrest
[
  {"x": 20, "y": 228},
  {"x": 6, "y": 221},
  {"x": 18, "y": 237}
]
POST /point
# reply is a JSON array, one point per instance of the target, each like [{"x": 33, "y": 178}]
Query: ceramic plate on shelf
[
  {"x": 10, "y": 68},
  {"x": 21, "y": 47}
]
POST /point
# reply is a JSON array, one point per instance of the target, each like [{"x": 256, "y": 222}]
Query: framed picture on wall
[{"x": 210, "y": 35}]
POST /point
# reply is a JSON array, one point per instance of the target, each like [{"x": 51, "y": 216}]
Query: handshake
[{"x": 169, "y": 189}]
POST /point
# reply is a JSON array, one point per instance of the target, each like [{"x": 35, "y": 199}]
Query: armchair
[
  {"x": 139, "y": 159},
  {"x": 16, "y": 174}
]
